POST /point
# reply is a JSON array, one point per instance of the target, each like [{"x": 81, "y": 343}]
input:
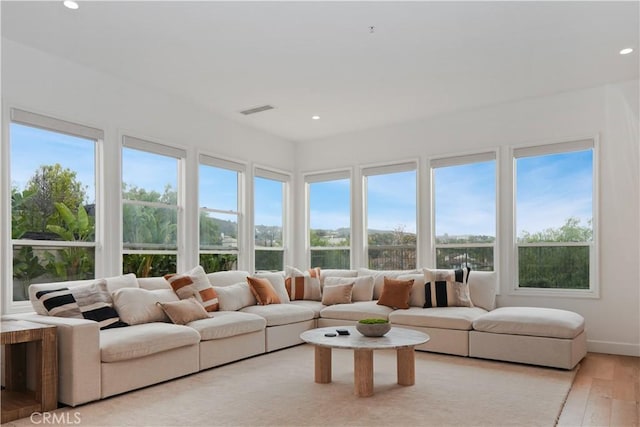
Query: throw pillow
[
  {"x": 447, "y": 288},
  {"x": 194, "y": 284},
  {"x": 277, "y": 280},
  {"x": 301, "y": 285},
  {"x": 91, "y": 302},
  {"x": 379, "y": 275},
  {"x": 482, "y": 289},
  {"x": 395, "y": 293},
  {"x": 362, "y": 286},
  {"x": 184, "y": 311},
  {"x": 235, "y": 297},
  {"x": 337, "y": 294},
  {"x": 263, "y": 290},
  {"x": 416, "y": 297},
  {"x": 136, "y": 305}
]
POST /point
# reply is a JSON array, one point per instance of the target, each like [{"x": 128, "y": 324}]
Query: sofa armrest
[{"x": 78, "y": 357}]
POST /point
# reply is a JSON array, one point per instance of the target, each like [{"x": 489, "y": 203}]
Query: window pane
[
  {"x": 218, "y": 231},
  {"x": 565, "y": 267},
  {"x": 465, "y": 203},
  {"x": 146, "y": 227},
  {"x": 269, "y": 260},
  {"x": 148, "y": 265},
  {"x": 218, "y": 188},
  {"x": 43, "y": 264},
  {"x": 391, "y": 220},
  {"x": 268, "y": 207},
  {"x": 478, "y": 258},
  {"x": 149, "y": 177},
  {"x": 218, "y": 262},
  {"x": 555, "y": 197},
  {"x": 330, "y": 222}
]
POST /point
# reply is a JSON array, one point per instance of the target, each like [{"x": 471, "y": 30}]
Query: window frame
[
  {"x": 285, "y": 179},
  {"x": 180, "y": 155},
  {"x": 461, "y": 160},
  {"x": 61, "y": 126},
  {"x": 387, "y": 169},
  {"x": 549, "y": 148},
  {"x": 241, "y": 169},
  {"x": 326, "y": 176}
]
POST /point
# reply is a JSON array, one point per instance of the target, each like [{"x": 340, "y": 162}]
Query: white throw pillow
[
  {"x": 417, "y": 296},
  {"x": 277, "y": 281},
  {"x": 136, "y": 306},
  {"x": 235, "y": 297},
  {"x": 362, "y": 286},
  {"x": 482, "y": 288},
  {"x": 379, "y": 275}
]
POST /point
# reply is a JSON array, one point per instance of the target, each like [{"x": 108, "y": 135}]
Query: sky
[{"x": 550, "y": 188}]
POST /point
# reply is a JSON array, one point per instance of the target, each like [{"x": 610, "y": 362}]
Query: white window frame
[
  {"x": 180, "y": 154},
  {"x": 241, "y": 169},
  {"x": 547, "y": 148},
  {"x": 385, "y": 169},
  {"x": 461, "y": 160},
  {"x": 317, "y": 177},
  {"x": 265, "y": 172},
  {"x": 52, "y": 124}
]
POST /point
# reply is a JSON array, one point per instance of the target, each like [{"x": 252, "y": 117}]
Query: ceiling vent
[{"x": 257, "y": 109}]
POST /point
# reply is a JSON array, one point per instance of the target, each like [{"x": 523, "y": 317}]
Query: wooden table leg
[
  {"x": 406, "y": 366},
  {"x": 363, "y": 372},
  {"x": 323, "y": 364},
  {"x": 49, "y": 370}
]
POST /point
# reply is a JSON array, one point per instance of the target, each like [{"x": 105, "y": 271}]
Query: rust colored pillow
[
  {"x": 396, "y": 293},
  {"x": 263, "y": 290}
]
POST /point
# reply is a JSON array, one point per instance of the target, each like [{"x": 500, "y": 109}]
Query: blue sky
[{"x": 550, "y": 188}]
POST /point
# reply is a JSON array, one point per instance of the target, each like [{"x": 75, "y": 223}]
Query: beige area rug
[{"x": 278, "y": 389}]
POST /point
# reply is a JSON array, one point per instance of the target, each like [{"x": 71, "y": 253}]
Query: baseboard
[{"x": 623, "y": 349}]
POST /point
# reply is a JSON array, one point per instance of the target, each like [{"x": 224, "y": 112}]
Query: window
[
  {"x": 270, "y": 189},
  {"x": 391, "y": 216},
  {"x": 464, "y": 211},
  {"x": 220, "y": 182},
  {"x": 555, "y": 231},
  {"x": 151, "y": 209},
  {"x": 329, "y": 219},
  {"x": 53, "y": 200}
]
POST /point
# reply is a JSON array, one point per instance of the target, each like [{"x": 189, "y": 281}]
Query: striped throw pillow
[
  {"x": 194, "y": 284},
  {"x": 91, "y": 302},
  {"x": 301, "y": 285},
  {"x": 447, "y": 288}
]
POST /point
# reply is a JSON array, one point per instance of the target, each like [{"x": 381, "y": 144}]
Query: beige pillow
[
  {"x": 379, "y": 275},
  {"x": 395, "y": 293},
  {"x": 184, "y": 311},
  {"x": 136, "y": 305},
  {"x": 302, "y": 285},
  {"x": 447, "y": 288},
  {"x": 337, "y": 294},
  {"x": 235, "y": 297},
  {"x": 417, "y": 295},
  {"x": 194, "y": 284},
  {"x": 263, "y": 290},
  {"x": 277, "y": 280},
  {"x": 362, "y": 286}
]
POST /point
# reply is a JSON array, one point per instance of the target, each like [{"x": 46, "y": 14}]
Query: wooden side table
[{"x": 17, "y": 400}]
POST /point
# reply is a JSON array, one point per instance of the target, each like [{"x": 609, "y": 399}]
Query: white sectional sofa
[{"x": 96, "y": 363}]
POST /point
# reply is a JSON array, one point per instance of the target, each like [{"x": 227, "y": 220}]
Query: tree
[
  {"x": 49, "y": 185},
  {"x": 571, "y": 231}
]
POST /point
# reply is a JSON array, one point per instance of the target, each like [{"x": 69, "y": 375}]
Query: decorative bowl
[{"x": 373, "y": 329}]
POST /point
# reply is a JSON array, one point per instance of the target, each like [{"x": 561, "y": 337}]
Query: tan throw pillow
[
  {"x": 194, "y": 284},
  {"x": 337, "y": 294},
  {"x": 263, "y": 290},
  {"x": 396, "y": 293},
  {"x": 362, "y": 286},
  {"x": 302, "y": 285},
  {"x": 447, "y": 288},
  {"x": 184, "y": 311}
]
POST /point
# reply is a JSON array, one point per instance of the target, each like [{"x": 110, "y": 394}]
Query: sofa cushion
[
  {"x": 227, "y": 278},
  {"x": 315, "y": 306},
  {"x": 184, "y": 311},
  {"x": 226, "y": 324},
  {"x": 153, "y": 283},
  {"x": 336, "y": 272},
  {"x": 263, "y": 290},
  {"x": 482, "y": 289},
  {"x": 280, "y": 314},
  {"x": 356, "y": 311},
  {"x": 143, "y": 340},
  {"x": 136, "y": 305},
  {"x": 362, "y": 286},
  {"x": 235, "y": 297},
  {"x": 460, "y": 318},
  {"x": 113, "y": 284},
  {"x": 534, "y": 321}
]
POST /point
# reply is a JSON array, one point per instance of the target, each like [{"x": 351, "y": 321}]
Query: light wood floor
[{"x": 605, "y": 392}]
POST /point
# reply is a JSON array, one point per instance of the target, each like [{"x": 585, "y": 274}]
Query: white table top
[{"x": 395, "y": 338}]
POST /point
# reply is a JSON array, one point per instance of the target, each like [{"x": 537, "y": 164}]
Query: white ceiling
[{"x": 307, "y": 58}]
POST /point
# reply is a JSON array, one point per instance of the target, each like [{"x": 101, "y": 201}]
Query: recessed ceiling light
[
  {"x": 626, "y": 51},
  {"x": 70, "y": 4},
  {"x": 315, "y": 117}
]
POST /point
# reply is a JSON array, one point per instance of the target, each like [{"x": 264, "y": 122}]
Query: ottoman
[{"x": 537, "y": 336}]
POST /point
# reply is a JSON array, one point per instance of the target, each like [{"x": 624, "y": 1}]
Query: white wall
[
  {"x": 45, "y": 84},
  {"x": 610, "y": 112}
]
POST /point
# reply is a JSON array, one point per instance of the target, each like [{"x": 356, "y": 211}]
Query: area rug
[{"x": 278, "y": 389}]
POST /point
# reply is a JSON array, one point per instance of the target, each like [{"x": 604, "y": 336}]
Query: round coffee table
[{"x": 403, "y": 340}]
